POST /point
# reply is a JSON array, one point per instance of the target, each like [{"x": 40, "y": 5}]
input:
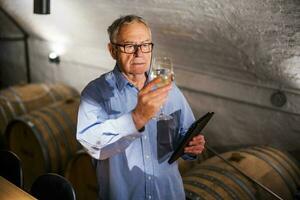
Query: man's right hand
[{"x": 149, "y": 102}]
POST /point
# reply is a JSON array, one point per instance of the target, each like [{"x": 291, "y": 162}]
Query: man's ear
[{"x": 112, "y": 51}]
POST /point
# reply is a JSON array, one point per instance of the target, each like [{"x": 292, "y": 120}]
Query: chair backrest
[
  {"x": 52, "y": 186},
  {"x": 11, "y": 168},
  {"x": 297, "y": 194}
]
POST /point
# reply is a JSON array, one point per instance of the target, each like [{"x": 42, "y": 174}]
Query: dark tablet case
[{"x": 193, "y": 130}]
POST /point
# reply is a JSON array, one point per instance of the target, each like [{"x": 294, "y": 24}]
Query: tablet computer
[{"x": 193, "y": 130}]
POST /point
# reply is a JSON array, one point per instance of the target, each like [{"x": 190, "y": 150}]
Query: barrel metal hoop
[
  {"x": 217, "y": 182},
  {"x": 68, "y": 121},
  {"x": 288, "y": 158},
  {"x": 275, "y": 167},
  {"x": 280, "y": 162},
  {"x": 58, "y": 95},
  {"x": 61, "y": 130},
  {"x": 48, "y": 90},
  {"x": 65, "y": 116},
  {"x": 204, "y": 187},
  {"x": 192, "y": 195},
  {"x": 5, "y": 117},
  {"x": 27, "y": 119},
  {"x": 11, "y": 108},
  {"x": 55, "y": 93},
  {"x": 18, "y": 99},
  {"x": 52, "y": 136},
  {"x": 231, "y": 176}
]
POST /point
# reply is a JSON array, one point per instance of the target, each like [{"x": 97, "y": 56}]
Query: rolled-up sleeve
[{"x": 100, "y": 137}]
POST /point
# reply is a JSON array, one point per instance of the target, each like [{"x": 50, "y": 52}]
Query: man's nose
[{"x": 137, "y": 51}]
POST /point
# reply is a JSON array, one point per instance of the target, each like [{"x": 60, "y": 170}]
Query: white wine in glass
[{"x": 162, "y": 67}]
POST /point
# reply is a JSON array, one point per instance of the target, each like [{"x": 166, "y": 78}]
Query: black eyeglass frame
[{"x": 136, "y": 46}]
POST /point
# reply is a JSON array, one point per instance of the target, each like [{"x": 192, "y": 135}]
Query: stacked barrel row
[
  {"x": 21, "y": 99},
  {"x": 38, "y": 123},
  {"x": 271, "y": 168}
]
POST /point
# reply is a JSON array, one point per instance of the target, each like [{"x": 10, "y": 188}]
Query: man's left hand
[{"x": 196, "y": 145}]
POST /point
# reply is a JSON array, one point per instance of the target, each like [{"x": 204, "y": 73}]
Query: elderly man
[{"x": 117, "y": 125}]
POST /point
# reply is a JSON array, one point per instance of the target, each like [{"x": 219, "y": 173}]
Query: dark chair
[
  {"x": 11, "y": 168},
  {"x": 52, "y": 186},
  {"x": 297, "y": 194}
]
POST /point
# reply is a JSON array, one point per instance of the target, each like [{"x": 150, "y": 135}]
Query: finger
[
  {"x": 153, "y": 83},
  {"x": 194, "y": 147},
  {"x": 159, "y": 92},
  {"x": 158, "y": 101},
  {"x": 197, "y": 140},
  {"x": 198, "y": 137},
  {"x": 196, "y": 150},
  {"x": 191, "y": 148},
  {"x": 163, "y": 91},
  {"x": 147, "y": 88},
  {"x": 153, "y": 99},
  {"x": 195, "y": 143}
]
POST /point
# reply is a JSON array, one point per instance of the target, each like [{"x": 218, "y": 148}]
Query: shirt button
[
  {"x": 145, "y": 137},
  {"x": 149, "y": 177},
  {"x": 149, "y": 197},
  {"x": 147, "y": 157}
]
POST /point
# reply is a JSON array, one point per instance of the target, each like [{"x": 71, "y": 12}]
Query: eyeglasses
[{"x": 132, "y": 48}]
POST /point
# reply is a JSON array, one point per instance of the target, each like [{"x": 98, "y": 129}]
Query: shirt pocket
[{"x": 166, "y": 133}]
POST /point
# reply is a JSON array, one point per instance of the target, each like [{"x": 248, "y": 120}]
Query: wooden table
[{"x": 9, "y": 191}]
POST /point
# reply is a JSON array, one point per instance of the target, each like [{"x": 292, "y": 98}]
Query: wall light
[
  {"x": 54, "y": 58},
  {"x": 41, "y": 7}
]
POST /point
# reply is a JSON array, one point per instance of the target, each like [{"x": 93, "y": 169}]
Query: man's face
[{"x": 137, "y": 63}]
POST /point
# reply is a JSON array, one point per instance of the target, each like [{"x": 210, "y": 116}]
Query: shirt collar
[{"x": 121, "y": 80}]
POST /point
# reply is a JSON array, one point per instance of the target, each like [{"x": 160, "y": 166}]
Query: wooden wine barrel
[
  {"x": 214, "y": 179},
  {"x": 21, "y": 99},
  {"x": 45, "y": 139},
  {"x": 82, "y": 174},
  {"x": 185, "y": 166}
]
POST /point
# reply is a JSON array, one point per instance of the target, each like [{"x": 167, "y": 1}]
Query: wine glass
[{"x": 162, "y": 67}]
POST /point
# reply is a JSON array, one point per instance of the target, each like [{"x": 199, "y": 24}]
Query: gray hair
[{"x": 113, "y": 29}]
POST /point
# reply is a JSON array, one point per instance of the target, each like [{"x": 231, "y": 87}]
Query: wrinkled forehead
[{"x": 134, "y": 32}]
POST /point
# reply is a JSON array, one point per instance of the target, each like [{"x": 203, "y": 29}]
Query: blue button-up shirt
[{"x": 131, "y": 164}]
